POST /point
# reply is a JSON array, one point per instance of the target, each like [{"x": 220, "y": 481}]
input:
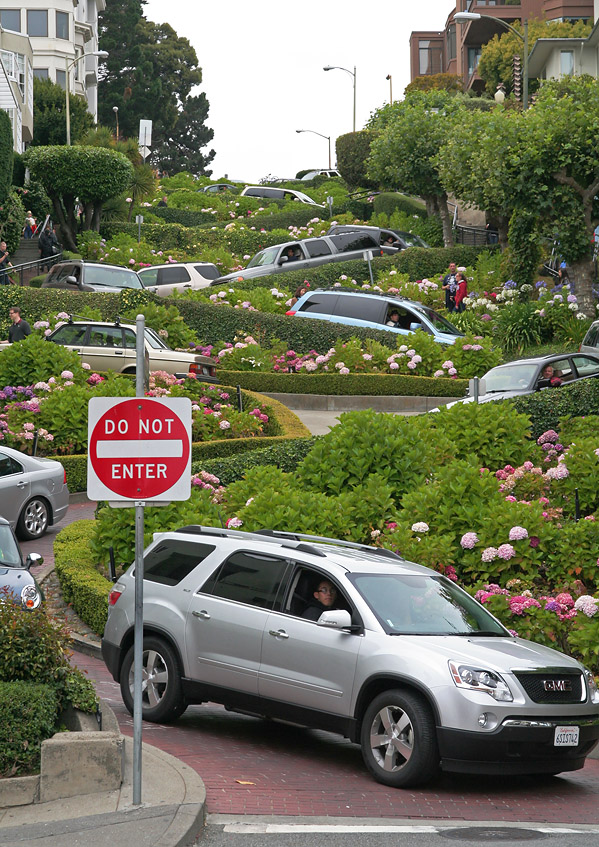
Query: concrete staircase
[{"x": 28, "y": 251}]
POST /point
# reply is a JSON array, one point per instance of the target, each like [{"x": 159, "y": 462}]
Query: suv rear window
[
  {"x": 276, "y": 193},
  {"x": 354, "y": 241},
  {"x": 170, "y": 276},
  {"x": 208, "y": 271},
  {"x": 321, "y": 303},
  {"x": 363, "y": 308},
  {"x": 317, "y": 248},
  {"x": 250, "y": 578},
  {"x": 172, "y": 561}
]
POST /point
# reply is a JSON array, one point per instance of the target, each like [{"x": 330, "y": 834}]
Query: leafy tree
[
  {"x": 473, "y": 163},
  {"x": 403, "y": 155},
  {"x": 495, "y": 63},
  {"x": 90, "y": 174},
  {"x": 49, "y": 116},
  {"x": 149, "y": 74},
  {"x": 436, "y": 82},
  {"x": 6, "y": 155},
  {"x": 353, "y": 150}
]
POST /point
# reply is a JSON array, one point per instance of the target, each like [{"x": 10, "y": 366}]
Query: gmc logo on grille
[{"x": 557, "y": 685}]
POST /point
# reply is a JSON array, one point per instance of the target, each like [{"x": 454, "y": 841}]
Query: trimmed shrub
[
  {"x": 545, "y": 408},
  {"x": 34, "y": 360},
  {"x": 12, "y": 221},
  {"x": 83, "y": 587},
  {"x": 185, "y": 217},
  {"x": 392, "y": 201},
  {"x": 28, "y": 713},
  {"x": 6, "y": 157},
  {"x": 348, "y": 384},
  {"x": 285, "y": 456}
]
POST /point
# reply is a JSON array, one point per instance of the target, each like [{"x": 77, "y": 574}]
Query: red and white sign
[{"x": 139, "y": 448}]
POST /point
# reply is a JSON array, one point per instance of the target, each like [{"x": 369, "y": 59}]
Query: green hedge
[
  {"x": 28, "y": 715},
  {"x": 185, "y": 217},
  {"x": 545, "y": 408},
  {"x": 348, "y": 384},
  {"x": 83, "y": 587},
  {"x": 389, "y": 202},
  {"x": 285, "y": 456},
  {"x": 297, "y": 215}
]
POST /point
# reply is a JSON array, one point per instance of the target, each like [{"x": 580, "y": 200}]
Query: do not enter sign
[{"x": 139, "y": 449}]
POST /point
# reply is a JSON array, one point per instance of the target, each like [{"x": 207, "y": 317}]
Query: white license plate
[{"x": 566, "y": 736}]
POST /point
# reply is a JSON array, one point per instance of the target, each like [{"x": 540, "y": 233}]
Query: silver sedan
[{"x": 33, "y": 492}]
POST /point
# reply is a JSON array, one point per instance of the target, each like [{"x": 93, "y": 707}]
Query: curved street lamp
[
  {"x": 390, "y": 78},
  {"x": 352, "y": 74},
  {"x": 464, "y": 17},
  {"x": 102, "y": 54},
  {"x": 328, "y": 138}
]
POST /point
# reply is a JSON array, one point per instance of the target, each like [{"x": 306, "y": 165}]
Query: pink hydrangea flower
[
  {"x": 518, "y": 533},
  {"x": 488, "y": 554},
  {"x": 506, "y": 552},
  {"x": 468, "y": 540}
]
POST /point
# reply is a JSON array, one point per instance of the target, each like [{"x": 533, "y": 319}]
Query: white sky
[{"x": 262, "y": 72}]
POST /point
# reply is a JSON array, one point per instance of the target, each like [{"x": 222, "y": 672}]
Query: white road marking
[{"x": 135, "y": 448}]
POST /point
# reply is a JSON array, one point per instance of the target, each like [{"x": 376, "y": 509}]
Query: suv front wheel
[
  {"x": 398, "y": 739},
  {"x": 162, "y": 697}
]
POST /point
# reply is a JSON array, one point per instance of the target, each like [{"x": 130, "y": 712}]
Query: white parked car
[
  {"x": 164, "y": 280},
  {"x": 267, "y": 192}
]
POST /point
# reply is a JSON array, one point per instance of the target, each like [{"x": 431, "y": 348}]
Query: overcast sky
[{"x": 262, "y": 72}]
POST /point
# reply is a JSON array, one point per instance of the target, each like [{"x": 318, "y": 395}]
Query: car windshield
[
  {"x": 10, "y": 555},
  {"x": 510, "y": 377},
  {"x": 265, "y": 257},
  {"x": 411, "y": 239},
  {"x": 439, "y": 322},
  {"x": 112, "y": 277},
  {"x": 300, "y": 196},
  {"x": 423, "y": 604},
  {"x": 154, "y": 340}
]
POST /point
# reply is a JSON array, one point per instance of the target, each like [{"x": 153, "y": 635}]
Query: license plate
[{"x": 566, "y": 736}]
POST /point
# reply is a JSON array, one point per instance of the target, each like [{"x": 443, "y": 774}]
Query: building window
[
  {"x": 473, "y": 57},
  {"x": 61, "y": 79},
  {"x": 20, "y": 68},
  {"x": 11, "y": 19},
  {"x": 37, "y": 23},
  {"x": 62, "y": 25},
  {"x": 8, "y": 61},
  {"x": 451, "y": 48},
  {"x": 566, "y": 62},
  {"x": 41, "y": 73},
  {"x": 429, "y": 58}
]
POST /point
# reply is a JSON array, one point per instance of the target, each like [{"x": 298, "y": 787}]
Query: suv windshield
[
  {"x": 439, "y": 323},
  {"x": 265, "y": 257},
  {"x": 415, "y": 604},
  {"x": 10, "y": 556},
  {"x": 111, "y": 277}
]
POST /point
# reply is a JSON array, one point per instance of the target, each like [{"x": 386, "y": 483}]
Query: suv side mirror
[
  {"x": 72, "y": 280},
  {"x": 283, "y": 259},
  {"x": 335, "y": 619}
]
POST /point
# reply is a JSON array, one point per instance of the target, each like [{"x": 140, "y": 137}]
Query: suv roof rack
[
  {"x": 196, "y": 529},
  {"x": 301, "y": 536},
  {"x": 371, "y": 293}
]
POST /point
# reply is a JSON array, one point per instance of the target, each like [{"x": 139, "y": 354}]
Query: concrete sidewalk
[{"x": 171, "y": 814}]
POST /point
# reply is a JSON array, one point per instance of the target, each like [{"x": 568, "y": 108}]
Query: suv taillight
[
  {"x": 290, "y": 312},
  {"x": 194, "y": 368},
  {"x": 64, "y": 479},
  {"x": 115, "y": 594}
]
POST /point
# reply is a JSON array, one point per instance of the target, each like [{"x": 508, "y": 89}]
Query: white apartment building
[
  {"x": 16, "y": 85},
  {"x": 60, "y": 33}
]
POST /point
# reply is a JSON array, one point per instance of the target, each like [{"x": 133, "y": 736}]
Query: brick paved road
[{"x": 308, "y": 772}]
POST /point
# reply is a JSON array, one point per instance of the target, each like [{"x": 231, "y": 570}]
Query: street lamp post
[
  {"x": 115, "y": 109},
  {"x": 67, "y": 67},
  {"x": 464, "y": 17},
  {"x": 390, "y": 88},
  {"x": 328, "y": 138},
  {"x": 352, "y": 74}
]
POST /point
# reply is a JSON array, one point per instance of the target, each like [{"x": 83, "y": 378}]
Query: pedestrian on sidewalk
[
  {"x": 20, "y": 329},
  {"x": 30, "y": 227},
  {"x": 48, "y": 244},
  {"x": 4, "y": 264}
]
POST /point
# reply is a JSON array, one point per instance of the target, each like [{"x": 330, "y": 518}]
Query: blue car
[
  {"x": 375, "y": 311},
  {"x": 16, "y": 580}
]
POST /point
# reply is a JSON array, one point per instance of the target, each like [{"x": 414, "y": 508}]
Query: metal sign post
[
  {"x": 139, "y": 452},
  {"x": 330, "y": 201},
  {"x": 138, "y": 632},
  {"x": 367, "y": 256},
  {"x": 139, "y": 219},
  {"x": 145, "y": 138}
]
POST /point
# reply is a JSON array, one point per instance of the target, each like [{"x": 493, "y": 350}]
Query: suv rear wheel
[
  {"x": 398, "y": 739},
  {"x": 162, "y": 697}
]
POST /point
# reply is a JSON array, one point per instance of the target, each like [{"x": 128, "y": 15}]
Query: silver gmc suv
[{"x": 350, "y": 639}]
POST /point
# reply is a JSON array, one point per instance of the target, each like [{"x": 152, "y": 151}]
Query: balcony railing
[{"x": 472, "y": 4}]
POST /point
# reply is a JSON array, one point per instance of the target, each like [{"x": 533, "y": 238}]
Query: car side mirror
[
  {"x": 283, "y": 259},
  {"x": 543, "y": 383},
  {"x": 72, "y": 280},
  {"x": 34, "y": 559},
  {"x": 335, "y": 619},
  {"x": 414, "y": 326}
]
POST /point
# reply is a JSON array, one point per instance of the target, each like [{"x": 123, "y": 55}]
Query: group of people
[{"x": 455, "y": 286}]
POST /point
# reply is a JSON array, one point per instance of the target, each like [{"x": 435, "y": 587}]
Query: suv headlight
[
  {"x": 479, "y": 679},
  {"x": 30, "y": 597},
  {"x": 591, "y": 685}
]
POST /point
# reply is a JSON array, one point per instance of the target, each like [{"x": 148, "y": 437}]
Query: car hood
[{"x": 493, "y": 653}]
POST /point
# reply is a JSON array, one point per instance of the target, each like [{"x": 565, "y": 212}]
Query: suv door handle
[
  {"x": 278, "y": 633},
  {"x": 203, "y": 615}
]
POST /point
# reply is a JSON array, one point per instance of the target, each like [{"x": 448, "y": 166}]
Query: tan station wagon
[{"x": 112, "y": 347}]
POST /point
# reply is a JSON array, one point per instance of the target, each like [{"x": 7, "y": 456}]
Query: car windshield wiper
[{"x": 480, "y": 632}]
